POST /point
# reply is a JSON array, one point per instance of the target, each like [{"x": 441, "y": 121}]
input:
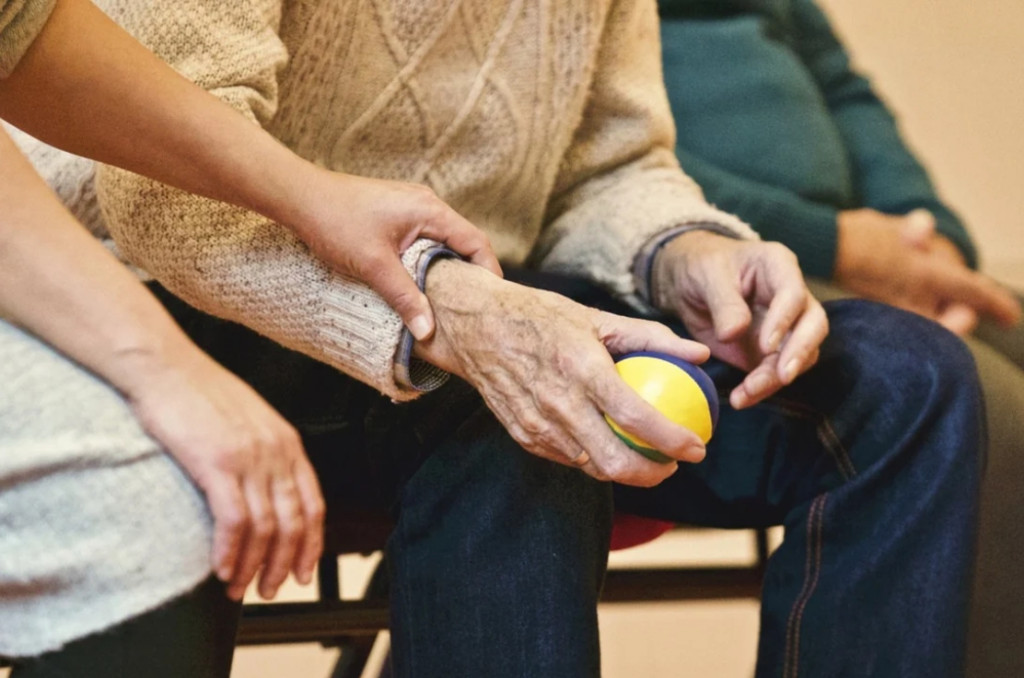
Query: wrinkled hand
[
  {"x": 360, "y": 227},
  {"x": 249, "y": 462},
  {"x": 543, "y": 366},
  {"x": 902, "y": 261},
  {"x": 748, "y": 302}
]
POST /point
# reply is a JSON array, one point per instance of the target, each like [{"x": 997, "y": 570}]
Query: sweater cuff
[
  {"x": 21, "y": 22},
  {"x": 411, "y": 372},
  {"x": 643, "y": 264}
]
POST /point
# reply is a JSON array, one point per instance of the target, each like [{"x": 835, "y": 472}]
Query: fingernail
[
  {"x": 305, "y": 577},
  {"x": 773, "y": 341},
  {"x": 420, "y": 327},
  {"x": 791, "y": 370},
  {"x": 696, "y": 453}
]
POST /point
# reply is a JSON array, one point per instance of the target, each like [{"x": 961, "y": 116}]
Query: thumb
[
  {"x": 918, "y": 228},
  {"x": 392, "y": 282}
]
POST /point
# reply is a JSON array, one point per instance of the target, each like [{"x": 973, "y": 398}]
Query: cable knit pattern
[
  {"x": 20, "y": 23},
  {"x": 97, "y": 523},
  {"x": 545, "y": 123},
  {"x": 542, "y": 121}
]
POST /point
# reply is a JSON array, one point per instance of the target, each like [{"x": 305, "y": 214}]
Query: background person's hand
[
  {"x": 262, "y": 491},
  {"x": 544, "y": 366},
  {"x": 748, "y": 302},
  {"x": 902, "y": 261},
  {"x": 360, "y": 227}
]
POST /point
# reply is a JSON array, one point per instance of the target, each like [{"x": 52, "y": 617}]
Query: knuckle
[
  {"x": 316, "y": 510},
  {"x": 421, "y": 191},
  {"x": 235, "y": 521},
  {"x": 263, "y": 526},
  {"x": 229, "y": 457},
  {"x": 288, "y": 436},
  {"x": 291, "y": 528},
  {"x": 533, "y": 426},
  {"x": 616, "y": 468}
]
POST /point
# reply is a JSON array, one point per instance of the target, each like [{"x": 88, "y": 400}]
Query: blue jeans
[{"x": 871, "y": 461}]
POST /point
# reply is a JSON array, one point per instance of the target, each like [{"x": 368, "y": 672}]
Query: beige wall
[{"x": 954, "y": 73}]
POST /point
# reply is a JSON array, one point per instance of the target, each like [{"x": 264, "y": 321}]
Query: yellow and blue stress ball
[{"x": 678, "y": 389}]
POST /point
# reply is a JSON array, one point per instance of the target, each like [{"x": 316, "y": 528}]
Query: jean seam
[
  {"x": 826, "y": 433},
  {"x": 812, "y": 571}
]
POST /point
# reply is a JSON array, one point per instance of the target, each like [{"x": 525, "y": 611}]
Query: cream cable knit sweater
[{"x": 545, "y": 123}]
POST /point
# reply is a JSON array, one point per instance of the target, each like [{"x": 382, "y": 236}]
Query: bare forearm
[
  {"x": 88, "y": 87},
  {"x": 61, "y": 284}
]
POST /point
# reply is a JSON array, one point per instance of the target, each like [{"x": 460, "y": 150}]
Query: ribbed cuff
[{"x": 411, "y": 372}]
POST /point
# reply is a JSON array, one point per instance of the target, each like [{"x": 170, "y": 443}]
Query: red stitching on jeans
[{"x": 815, "y": 521}]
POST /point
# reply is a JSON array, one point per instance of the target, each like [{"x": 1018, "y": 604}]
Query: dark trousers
[{"x": 871, "y": 461}]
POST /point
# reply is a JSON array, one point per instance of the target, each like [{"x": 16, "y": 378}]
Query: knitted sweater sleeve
[
  {"x": 887, "y": 175},
  {"x": 20, "y": 23},
  {"x": 620, "y": 184},
  {"x": 228, "y": 261}
]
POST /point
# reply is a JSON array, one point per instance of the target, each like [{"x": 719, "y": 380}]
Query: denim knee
[{"x": 907, "y": 375}]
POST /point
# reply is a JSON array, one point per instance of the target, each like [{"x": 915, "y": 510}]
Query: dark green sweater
[{"x": 778, "y": 129}]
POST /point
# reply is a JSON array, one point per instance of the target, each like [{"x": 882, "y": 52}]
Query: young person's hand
[
  {"x": 249, "y": 462},
  {"x": 360, "y": 227},
  {"x": 747, "y": 301}
]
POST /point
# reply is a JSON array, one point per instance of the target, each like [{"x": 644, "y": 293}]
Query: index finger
[
  {"x": 457, "y": 232},
  {"x": 800, "y": 349},
  {"x": 622, "y": 335},
  {"x": 230, "y": 516},
  {"x": 979, "y": 292},
  {"x": 313, "y": 508}
]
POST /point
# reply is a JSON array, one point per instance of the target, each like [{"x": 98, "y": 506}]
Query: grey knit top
[{"x": 97, "y": 523}]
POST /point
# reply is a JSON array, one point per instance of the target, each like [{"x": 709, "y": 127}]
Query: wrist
[
  {"x": 663, "y": 277},
  {"x": 140, "y": 366},
  {"x": 459, "y": 294},
  {"x": 291, "y": 194},
  {"x": 850, "y": 250}
]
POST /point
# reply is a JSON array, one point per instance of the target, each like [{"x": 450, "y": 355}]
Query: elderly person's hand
[
  {"x": 544, "y": 366},
  {"x": 249, "y": 462},
  {"x": 748, "y": 302},
  {"x": 902, "y": 261}
]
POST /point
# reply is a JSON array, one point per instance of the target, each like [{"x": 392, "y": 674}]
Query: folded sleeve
[{"x": 20, "y": 22}]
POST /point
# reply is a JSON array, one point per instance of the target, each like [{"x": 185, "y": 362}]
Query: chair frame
[{"x": 353, "y": 625}]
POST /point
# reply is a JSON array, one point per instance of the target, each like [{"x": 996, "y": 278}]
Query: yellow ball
[{"x": 678, "y": 389}]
